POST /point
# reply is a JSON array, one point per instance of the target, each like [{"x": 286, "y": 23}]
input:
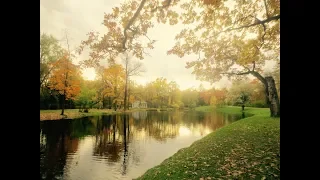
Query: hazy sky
[{"x": 80, "y": 17}]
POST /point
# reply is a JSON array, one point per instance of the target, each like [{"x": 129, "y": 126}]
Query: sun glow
[{"x": 89, "y": 74}]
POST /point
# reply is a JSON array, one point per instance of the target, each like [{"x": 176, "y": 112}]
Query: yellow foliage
[{"x": 65, "y": 78}]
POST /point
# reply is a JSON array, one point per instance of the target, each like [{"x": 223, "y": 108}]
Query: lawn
[{"x": 246, "y": 149}]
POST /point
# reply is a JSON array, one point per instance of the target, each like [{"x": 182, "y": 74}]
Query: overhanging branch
[
  {"x": 254, "y": 73},
  {"x": 258, "y": 22},
  {"x": 240, "y": 73},
  {"x": 135, "y": 16},
  {"x": 131, "y": 21}
]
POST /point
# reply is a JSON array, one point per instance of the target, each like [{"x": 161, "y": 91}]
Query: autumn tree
[
  {"x": 202, "y": 94},
  {"x": 174, "y": 99},
  {"x": 113, "y": 80},
  {"x": 213, "y": 96},
  {"x": 190, "y": 97},
  {"x": 127, "y": 27},
  {"x": 150, "y": 94},
  {"x": 162, "y": 91},
  {"x": 136, "y": 92},
  {"x": 220, "y": 96},
  {"x": 65, "y": 79},
  {"x": 232, "y": 38}
]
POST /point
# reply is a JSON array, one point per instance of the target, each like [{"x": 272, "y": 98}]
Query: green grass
[
  {"x": 204, "y": 108},
  {"x": 246, "y": 149}
]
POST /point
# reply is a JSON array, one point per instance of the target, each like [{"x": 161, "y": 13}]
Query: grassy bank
[
  {"x": 246, "y": 149},
  {"x": 74, "y": 113}
]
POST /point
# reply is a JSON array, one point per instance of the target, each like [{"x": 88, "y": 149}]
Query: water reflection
[{"x": 119, "y": 146}]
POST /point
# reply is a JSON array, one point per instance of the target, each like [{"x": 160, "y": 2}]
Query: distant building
[
  {"x": 139, "y": 115},
  {"x": 139, "y": 104}
]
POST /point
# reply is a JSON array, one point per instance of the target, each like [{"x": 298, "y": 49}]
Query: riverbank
[
  {"x": 246, "y": 149},
  {"x": 74, "y": 113}
]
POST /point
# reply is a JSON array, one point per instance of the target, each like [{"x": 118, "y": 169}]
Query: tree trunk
[
  {"x": 273, "y": 98},
  {"x": 125, "y": 94},
  {"x": 271, "y": 94},
  {"x": 63, "y": 102},
  {"x": 126, "y": 89},
  {"x": 128, "y": 98},
  {"x": 103, "y": 102},
  {"x": 115, "y": 105}
]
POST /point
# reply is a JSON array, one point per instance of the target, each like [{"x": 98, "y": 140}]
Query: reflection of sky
[
  {"x": 145, "y": 150},
  {"x": 82, "y": 165}
]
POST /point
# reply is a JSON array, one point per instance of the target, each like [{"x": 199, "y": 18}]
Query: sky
[{"x": 79, "y": 17}]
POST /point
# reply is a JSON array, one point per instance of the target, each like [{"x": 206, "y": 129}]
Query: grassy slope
[{"x": 246, "y": 149}]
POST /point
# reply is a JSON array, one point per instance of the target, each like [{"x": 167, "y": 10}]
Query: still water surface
[{"x": 120, "y": 146}]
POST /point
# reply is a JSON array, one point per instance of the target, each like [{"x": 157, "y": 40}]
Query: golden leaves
[
  {"x": 113, "y": 79},
  {"x": 134, "y": 5},
  {"x": 220, "y": 46},
  {"x": 115, "y": 12},
  {"x": 65, "y": 78},
  {"x": 214, "y": 3}
]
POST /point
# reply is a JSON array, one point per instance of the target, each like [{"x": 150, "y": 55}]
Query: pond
[{"x": 120, "y": 146}]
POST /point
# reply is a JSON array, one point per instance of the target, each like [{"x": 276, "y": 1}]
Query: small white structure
[
  {"x": 139, "y": 115},
  {"x": 139, "y": 104}
]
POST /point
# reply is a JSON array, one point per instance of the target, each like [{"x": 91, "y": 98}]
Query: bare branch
[
  {"x": 136, "y": 68},
  {"x": 67, "y": 39},
  {"x": 146, "y": 53},
  {"x": 246, "y": 67},
  {"x": 147, "y": 37}
]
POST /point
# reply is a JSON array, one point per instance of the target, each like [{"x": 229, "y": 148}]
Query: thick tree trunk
[
  {"x": 271, "y": 94},
  {"x": 273, "y": 98}
]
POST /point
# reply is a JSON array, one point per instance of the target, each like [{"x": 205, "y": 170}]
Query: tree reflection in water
[{"x": 122, "y": 141}]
